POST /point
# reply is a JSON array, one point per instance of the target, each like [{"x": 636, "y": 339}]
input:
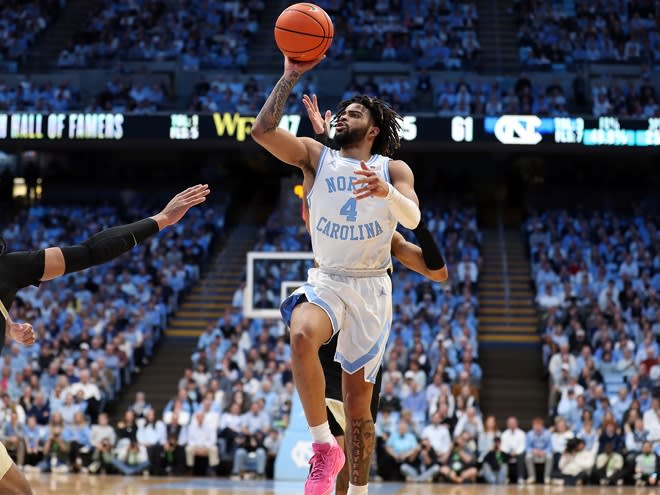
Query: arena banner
[
  {"x": 233, "y": 129},
  {"x": 292, "y": 464}
]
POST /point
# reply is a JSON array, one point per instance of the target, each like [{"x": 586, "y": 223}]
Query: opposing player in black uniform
[
  {"x": 23, "y": 268},
  {"x": 425, "y": 260},
  {"x": 412, "y": 257}
]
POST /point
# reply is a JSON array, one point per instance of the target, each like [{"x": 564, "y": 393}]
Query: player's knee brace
[{"x": 107, "y": 245}]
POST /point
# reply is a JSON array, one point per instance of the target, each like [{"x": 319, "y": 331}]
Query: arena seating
[
  {"x": 620, "y": 99},
  {"x": 21, "y": 22},
  {"x": 97, "y": 328},
  {"x": 199, "y": 34},
  {"x": 551, "y": 35},
  {"x": 44, "y": 96},
  {"x": 438, "y": 35},
  {"x": 597, "y": 278},
  {"x": 124, "y": 95}
]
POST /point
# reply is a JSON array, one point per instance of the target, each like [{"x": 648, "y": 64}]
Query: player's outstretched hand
[
  {"x": 300, "y": 67},
  {"x": 181, "y": 203},
  {"x": 320, "y": 123},
  {"x": 373, "y": 185},
  {"x": 23, "y": 333}
]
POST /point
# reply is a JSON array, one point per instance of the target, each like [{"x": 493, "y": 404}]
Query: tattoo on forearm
[
  {"x": 360, "y": 439},
  {"x": 271, "y": 113},
  {"x": 342, "y": 480}
]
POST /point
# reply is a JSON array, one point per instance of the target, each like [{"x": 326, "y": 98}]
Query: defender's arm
[{"x": 412, "y": 258}]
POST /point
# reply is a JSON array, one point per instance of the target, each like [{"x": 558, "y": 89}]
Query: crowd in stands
[
  {"x": 44, "y": 96},
  {"x": 95, "y": 330},
  {"x": 21, "y": 22},
  {"x": 211, "y": 34},
  {"x": 609, "y": 96},
  {"x": 597, "y": 276},
  {"x": 613, "y": 98},
  {"x": 558, "y": 34},
  {"x": 460, "y": 98},
  {"x": 246, "y": 96},
  {"x": 634, "y": 98},
  {"x": 439, "y": 35},
  {"x": 124, "y": 95}
]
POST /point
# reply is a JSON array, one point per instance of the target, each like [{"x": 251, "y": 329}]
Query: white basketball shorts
[{"x": 359, "y": 308}]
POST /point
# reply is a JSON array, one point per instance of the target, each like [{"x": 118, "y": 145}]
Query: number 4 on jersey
[{"x": 349, "y": 210}]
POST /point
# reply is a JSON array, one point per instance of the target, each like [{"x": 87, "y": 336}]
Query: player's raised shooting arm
[
  {"x": 265, "y": 131},
  {"x": 412, "y": 258}
]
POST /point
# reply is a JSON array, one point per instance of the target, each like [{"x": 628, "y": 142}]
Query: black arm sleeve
[
  {"x": 22, "y": 268},
  {"x": 430, "y": 251},
  {"x": 108, "y": 245}
]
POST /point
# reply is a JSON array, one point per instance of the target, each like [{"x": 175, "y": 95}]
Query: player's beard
[{"x": 350, "y": 137}]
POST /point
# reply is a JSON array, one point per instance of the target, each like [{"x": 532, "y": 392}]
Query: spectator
[
  {"x": 401, "y": 447},
  {"x": 250, "y": 445},
  {"x": 513, "y": 445},
  {"x": 470, "y": 423},
  {"x": 635, "y": 438},
  {"x": 652, "y": 420},
  {"x": 56, "y": 450},
  {"x": 461, "y": 466},
  {"x": 494, "y": 468},
  {"x": 40, "y": 409},
  {"x": 272, "y": 445},
  {"x": 467, "y": 270},
  {"x": 647, "y": 466},
  {"x": 140, "y": 406},
  {"x": 13, "y": 437},
  {"x": 174, "y": 450},
  {"x": 102, "y": 439},
  {"x": 609, "y": 467},
  {"x": 575, "y": 464},
  {"x": 611, "y": 435},
  {"x": 34, "y": 440},
  {"x": 538, "y": 448},
  {"x": 131, "y": 458},
  {"x": 425, "y": 467},
  {"x": 151, "y": 435},
  {"x": 439, "y": 437},
  {"x": 77, "y": 437},
  {"x": 202, "y": 441}
]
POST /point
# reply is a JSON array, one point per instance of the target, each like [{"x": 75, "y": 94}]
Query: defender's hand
[
  {"x": 374, "y": 185},
  {"x": 181, "y": 203},
  {"x": 314, "y": 114},
  {"x": 23, "y": 333}
]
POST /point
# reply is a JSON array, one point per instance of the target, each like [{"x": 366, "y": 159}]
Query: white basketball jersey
[{"x": 347, "y": 234}]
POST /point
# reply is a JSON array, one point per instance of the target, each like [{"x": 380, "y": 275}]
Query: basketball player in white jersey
[
  {"x": 357, "y": 196},
  {"x": 424, "y": 259}
]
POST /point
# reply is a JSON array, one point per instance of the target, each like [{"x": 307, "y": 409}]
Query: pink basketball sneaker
[{"x": 327, "y": 461}]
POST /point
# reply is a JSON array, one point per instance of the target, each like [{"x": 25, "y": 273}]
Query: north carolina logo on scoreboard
[{"x": 518, "y": 129}]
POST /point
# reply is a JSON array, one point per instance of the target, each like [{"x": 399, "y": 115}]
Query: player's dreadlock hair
[
  {"x": 387, "y": 141},
  {"x": 3, "y": 246}
]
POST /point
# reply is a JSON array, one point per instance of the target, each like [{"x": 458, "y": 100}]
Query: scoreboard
[{"x": 41, "y": 130}]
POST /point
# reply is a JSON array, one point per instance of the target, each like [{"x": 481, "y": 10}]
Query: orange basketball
[{"x": 304, "y": 32}]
